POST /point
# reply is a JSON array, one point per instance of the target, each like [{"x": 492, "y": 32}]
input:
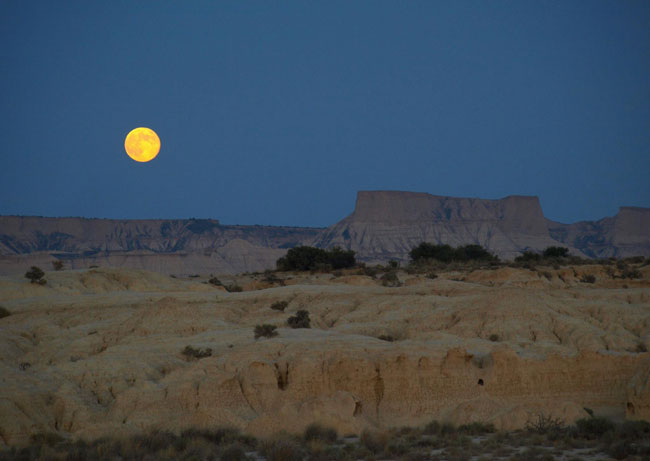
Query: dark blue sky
[{"x": 279, "y": 112}]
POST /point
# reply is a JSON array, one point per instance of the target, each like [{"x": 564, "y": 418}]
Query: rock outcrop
[
  {"x": 180, "y": 247},
  {"x": 626, "y": 234},
  {"x": 387, "y": 224},
  {"x": 99, "y": 352}
]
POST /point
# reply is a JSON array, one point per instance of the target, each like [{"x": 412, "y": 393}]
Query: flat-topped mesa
[
  {"x": 517, "y": 212},
  {"x": 388, "y": 224}
]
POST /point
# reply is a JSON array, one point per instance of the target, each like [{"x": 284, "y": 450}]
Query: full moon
[{"x": 142, "y": 144}]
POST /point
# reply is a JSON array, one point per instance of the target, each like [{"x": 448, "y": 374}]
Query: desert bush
[
  {"x": 555, "y": 252},
  {"x": 494, "y": 337},
  {"x": 270, "y": 277},
  {"x": 445, "y": 253},
  {"x": 233, "y": 452},
  {"x": 215, "y": 281},
  {"x": 279, "y": 306},
  {"x": 392, "y": 264},
  {"x": 4, "y": 312},
  {"x": 374, "y": 441},
  {"x": 317, "y": 431},
  {"x": 266, "y": 331},
  {"x": 282, "y": 448},
  {"x": 306, "y": 258},
  {"x": 57, "y": 265},
  {"x": 640, "y": 348},
  {"x": 390, "y": 279},
  {"x": 476, "y": 428},
  {"x": 432, "y": 275},
  {"x": 234, "y": 288},
  {"x": 588, "y": 278},
  {"x": 388, "y": 338},
  {"x": 35, "y": 275},
  {"x": 594, "y": 427},
  {"x": 192, "y": 353},
  {"x": 300, "y": 320},
  {"x": 545, "y": 425}
]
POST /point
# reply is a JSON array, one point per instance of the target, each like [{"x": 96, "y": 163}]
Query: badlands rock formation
[
  {"x": 98, "y": 352},
  {"x": 388, "y": 224},
  {"x": 384, "y": 225},
  {"x": 180, "y": 247}
]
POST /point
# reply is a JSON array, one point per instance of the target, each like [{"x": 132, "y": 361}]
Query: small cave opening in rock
[
  {"x": 357, "y": 409},
  {"x": 480, "y": 382},
  {"x": 630, "y": 408}
]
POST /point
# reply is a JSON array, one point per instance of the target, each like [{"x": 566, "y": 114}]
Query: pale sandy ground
[{"x": 98, "y": 352}]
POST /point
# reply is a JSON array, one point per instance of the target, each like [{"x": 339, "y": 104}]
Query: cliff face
[
  {"x": 626, "y": 234},
  {"x": 172, "y": 246},
  {"x": 386, "y": 225}
]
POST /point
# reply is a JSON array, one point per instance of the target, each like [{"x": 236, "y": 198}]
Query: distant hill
[{"x": 384, "y": 225}]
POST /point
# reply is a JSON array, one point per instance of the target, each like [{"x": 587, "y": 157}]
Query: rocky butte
[{"x": 384, "y": 225}]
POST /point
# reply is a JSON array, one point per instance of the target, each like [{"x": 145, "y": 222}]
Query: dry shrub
[
  {"x": 317, "y": 431},
  {"x": 279, "y": 306},
  {"x": 191, "y": 353},
  {"x": 266, "y": 331},
  {"x": 282, "y": 448}
]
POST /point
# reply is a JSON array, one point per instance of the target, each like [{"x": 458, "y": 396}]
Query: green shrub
[
  {"x": 35, "y": 275},
  {"x": 555, "y": 252},
  {"x": 279, "y": 306},
  {"x": 215, "y": 281},
  {"x": 445, "y": 253},
  {"x": 594, "y": 428},
  {"x": 192, "y": 353},
  {"x": 300, "y": 320},
  {"x": 57, "y": 265},
  {"x": 306, "y": 258},
  {"x": 317, "y": 431},
  {"x": 476, "y": 428},
  {"x": 631, "y": 274},
  {"x": 588, "y": 278},
  {"x": 265, "y": 330},
  {"x": 4, "y": 312}
]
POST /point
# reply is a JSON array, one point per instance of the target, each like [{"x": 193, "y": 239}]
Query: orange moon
[{"x": 142, "y": 144}]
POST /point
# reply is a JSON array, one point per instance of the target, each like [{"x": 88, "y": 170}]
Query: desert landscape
[{"x": 115, "y": 352}]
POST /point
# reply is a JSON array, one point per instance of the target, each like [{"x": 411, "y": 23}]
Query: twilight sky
[{"x": 279, "y": 112}]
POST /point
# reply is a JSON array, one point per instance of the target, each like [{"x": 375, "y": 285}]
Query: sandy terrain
[{"x": 98, "y": 352}]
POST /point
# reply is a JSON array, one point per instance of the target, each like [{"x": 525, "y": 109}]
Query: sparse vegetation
[
  {"x": 4, "y": 312},
  {"x": 555, "y": 252},
  {"x": 215, "y": 281},
  {"x": 234, "y": 288},
  {"x": 390, "y": 279},
  {"x": 545, "y": 438},
  {"x": 588, "y": 278},
  {"x": 265, "y": 331},
  {"x": 194, "y": 354},
  {"x": 57, "y": 265},
  {"x": 319, "y": 432},
  {"x": 279, "y": 306},
  {"x": 445, "y": 253},
  {"x": 300, "y": 320},
  {"x": 494, "y": 337},
  {"x": 35, "y": 275},
  {"x": 306, "y": 258}
]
